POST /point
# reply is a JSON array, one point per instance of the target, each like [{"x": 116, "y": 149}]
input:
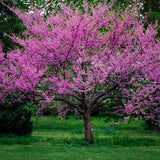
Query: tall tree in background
[
  {"x": 11, "y": 24},
  {"x": 151, "y": 8}
]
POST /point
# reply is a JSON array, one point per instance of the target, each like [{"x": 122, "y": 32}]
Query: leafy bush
[{"x": 15, "y": 118}]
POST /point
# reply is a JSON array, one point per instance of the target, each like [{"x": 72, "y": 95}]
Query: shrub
[{"x": 15, "y": 118}]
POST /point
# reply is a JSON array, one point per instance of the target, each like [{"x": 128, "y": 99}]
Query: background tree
[
  {"x": 11, "y": 24},
  {"x": 151, "y": 9}
]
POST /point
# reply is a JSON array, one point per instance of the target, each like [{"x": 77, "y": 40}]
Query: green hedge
[{"x": 15, "y": 119}]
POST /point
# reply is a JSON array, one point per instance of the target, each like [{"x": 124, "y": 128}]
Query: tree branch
[
  {"x": 70, "y": 103},
  {"x": 103, "y": 94},
  {"x": 108, "y": 97}
]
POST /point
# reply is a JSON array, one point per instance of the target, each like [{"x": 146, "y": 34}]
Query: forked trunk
[{"x": 88, "y": 128}]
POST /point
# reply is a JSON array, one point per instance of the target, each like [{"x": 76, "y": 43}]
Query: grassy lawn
[{"x": 64, "y": 140}]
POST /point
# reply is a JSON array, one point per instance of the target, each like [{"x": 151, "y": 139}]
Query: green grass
[{"x": 64, "y": 140}]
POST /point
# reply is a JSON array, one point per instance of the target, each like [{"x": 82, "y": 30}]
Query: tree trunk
[
  {"x": 37, "y": 121},
  {"x": 88, "y": 128}
]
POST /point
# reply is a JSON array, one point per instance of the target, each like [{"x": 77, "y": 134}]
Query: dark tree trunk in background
[
  {"x": 37, "y": 121},
  {"x": 88, "y": 128}
]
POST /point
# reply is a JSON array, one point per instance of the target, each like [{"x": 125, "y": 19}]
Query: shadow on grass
[{"x": 13, "y": 139}]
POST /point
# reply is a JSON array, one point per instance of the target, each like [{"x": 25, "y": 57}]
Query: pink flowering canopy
[{"x": 83, "y": 58}]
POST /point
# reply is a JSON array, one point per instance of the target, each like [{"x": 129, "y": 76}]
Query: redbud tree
[{"x": 83, "y": 57}]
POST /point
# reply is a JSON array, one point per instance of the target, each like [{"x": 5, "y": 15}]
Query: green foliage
[
  {"x": 148, "y": 124},
  {"x": 50, "y": 109},
  {"x": 15, "y": 119},
  {"x": 108, "y": 108},
  {"x": 10, "y": 23},
  {"x": 46, "y": 111},
  {"x": 151, "y": 9}
]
